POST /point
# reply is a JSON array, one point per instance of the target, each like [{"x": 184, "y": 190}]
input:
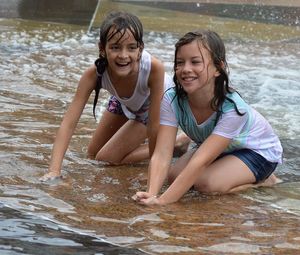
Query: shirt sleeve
[
  {"x": 167, "y": 113},
  {"x": 230, "y": 124}
]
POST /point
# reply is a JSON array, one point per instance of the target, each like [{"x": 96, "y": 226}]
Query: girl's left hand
[{"x": 146, "y": 198}]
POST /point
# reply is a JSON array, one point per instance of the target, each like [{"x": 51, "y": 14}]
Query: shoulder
[
  {"x": 170, "y": 95},
  {"x": 89, "y": 78},
  {"x": 157, "y": 65},
  {"x": 170, "y": 92},
  {"x": 90, "y": 72},
  {"x": 234, "y": 98},
  {"x": 157, "y": 73},
  {"x": 154, "y": 63}
]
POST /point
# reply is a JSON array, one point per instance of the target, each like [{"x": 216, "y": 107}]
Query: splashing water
[{"x": 90, "y": 209}]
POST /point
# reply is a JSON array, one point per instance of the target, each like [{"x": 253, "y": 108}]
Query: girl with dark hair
[
  {"x": 136, "y": 81},
  {"x": 235, "y": 146}
]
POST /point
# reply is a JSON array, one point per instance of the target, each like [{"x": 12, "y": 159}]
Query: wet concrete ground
[{"x": 41, "y": 63}]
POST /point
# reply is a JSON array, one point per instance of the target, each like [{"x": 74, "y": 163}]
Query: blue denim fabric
[{"x": 260, "y": 167}]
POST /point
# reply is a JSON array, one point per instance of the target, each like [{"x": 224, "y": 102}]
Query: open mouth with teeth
[
  {"x": 123, "y": 64},
  {"x": 187, "y": 79}
]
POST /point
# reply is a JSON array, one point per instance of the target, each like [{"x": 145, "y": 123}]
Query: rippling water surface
[{"x": 90, "y": 210}]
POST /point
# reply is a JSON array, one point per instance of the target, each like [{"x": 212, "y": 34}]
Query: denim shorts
[
  {"x": 114, "y": 106},
  {"x": 260, "y": 167}
]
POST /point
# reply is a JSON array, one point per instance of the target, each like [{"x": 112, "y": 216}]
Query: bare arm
[
  {"x": 156, "y": 85},
  {"x": 69, "y": 122},
  {"x": 213, "y": 146},
  {"x": 160, "y": 162}
]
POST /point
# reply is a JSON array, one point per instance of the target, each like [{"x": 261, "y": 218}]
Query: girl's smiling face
[
  {"x": 194, "y": 68},
  {"x": 122, "y": 53}
]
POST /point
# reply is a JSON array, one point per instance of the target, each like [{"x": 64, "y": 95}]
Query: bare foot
[{"x": 270, "y": 181}]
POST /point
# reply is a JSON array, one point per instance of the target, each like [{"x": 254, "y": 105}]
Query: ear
[
  {"x": 222, "y": 66},
  {"x": 217, "y": 73}
]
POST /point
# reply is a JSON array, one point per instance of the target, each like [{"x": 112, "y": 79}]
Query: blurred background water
[{"x": 90, "y": 210}]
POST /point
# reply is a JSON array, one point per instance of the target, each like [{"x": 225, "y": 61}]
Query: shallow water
[{"x": 90, "y": 210}]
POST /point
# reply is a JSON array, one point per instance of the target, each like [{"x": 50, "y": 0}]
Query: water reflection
[
  {"x": 91, "y": 206},
  {"x": 27, "y": 234}
]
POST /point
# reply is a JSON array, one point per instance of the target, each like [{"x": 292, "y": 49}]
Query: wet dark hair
[
  {"x": 213, "y": 43},
  {"x": 116, "y": 22}
]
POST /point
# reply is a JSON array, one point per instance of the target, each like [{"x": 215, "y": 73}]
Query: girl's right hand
[
  {"x": 145, "y": 198},
  {"x": 140, "y": 195},
  {"x": 50, "y": 176}
]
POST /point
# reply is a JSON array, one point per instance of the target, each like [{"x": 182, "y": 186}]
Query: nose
[
  {"x": 186, "y": 67},
  {"x": 123, "y": 53}
]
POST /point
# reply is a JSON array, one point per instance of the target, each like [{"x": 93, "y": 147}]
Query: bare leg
[
  {"x": 226, "y": 175},
  {"x": 142, "y": 152},
  {"x": 270, "y": 181},
  {"x": 139, "y": 154},
  {"x": 220, "y": 177},
  {"x": 179, "y": 165},
  {"x": 112, "y": 132},
  {"x": 181, "y": 145},
  {"x": 109, "y": 124},
  {"x": 126, "y": 140}
]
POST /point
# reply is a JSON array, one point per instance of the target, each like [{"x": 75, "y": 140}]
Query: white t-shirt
[{"x": 251, "y": 131}]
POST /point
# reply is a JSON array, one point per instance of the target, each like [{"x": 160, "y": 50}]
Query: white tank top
[{"x": 141, "y": 91}]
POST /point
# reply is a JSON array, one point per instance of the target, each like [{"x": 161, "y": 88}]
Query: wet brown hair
[
  {"x": 116, "y": 22},
  {"x": 211, "y": 41}
]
